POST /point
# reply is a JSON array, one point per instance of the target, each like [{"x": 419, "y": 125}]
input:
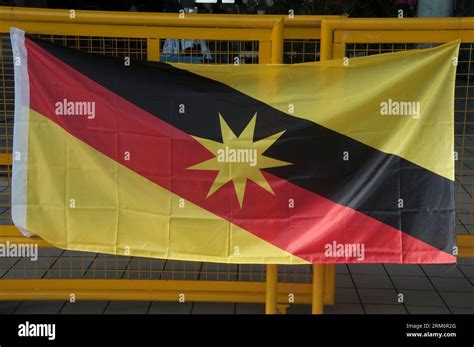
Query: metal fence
[
  {"x": 361, "y": 37},
  {"x": 220, "y": 40},
  {"x": 250, "y": 40}
]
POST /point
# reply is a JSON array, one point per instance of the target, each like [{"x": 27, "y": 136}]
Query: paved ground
[{"x": 360, "y": 288}]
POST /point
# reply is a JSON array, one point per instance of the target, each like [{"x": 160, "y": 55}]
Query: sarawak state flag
[{"x": 331, "y": 162}]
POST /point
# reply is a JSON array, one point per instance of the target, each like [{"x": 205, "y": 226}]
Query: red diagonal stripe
[{"x": 162, "y": 154}]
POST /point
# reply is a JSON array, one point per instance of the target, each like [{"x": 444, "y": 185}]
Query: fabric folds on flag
[{"x": 329, "y": 162}]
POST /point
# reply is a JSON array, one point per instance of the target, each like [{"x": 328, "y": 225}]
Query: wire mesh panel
[
  {"x": 463, "y": 128},
  {"x": 55, "y": 263},
  {"x": 301, "y": 51},
  {"x": 110, "y": 46},
  {"x": 209, "y": 51}
]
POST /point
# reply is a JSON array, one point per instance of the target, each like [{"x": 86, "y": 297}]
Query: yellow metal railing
[
  {"x": 251, "y": 39},
  {"x": 359, "y": 37}
]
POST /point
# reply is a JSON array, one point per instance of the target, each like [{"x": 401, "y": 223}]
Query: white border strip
[{"x": 20, "y": 131}]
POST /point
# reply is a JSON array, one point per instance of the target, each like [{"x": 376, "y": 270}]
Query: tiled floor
[{"x": 389, "y": 289}]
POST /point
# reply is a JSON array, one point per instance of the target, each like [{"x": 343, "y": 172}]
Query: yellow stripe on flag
[
  {"x": 82, "y": 200},
  {"x": 347, "y": 96}
]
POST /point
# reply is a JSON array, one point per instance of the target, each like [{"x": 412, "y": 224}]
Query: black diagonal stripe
[{"x": 371, "y": 181}]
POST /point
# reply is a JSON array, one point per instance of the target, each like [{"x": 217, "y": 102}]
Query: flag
[{"x": 343, "y": 161}]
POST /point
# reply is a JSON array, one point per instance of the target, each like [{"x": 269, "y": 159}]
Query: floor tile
[
  {"x": 461, "y": 300},
  {"x": 84, "y": 307},
  {"x": 447, "y": 284},
  {"x": 404, "y": 269},
  {"x": 299, "y": 309},
  {"x": 250, "y": 308},
  {"x": 343, "y": 309},
  {"x": 465, "y": 261},
  {"x": 9, "y": 307},
  {"x": 346, "y": 295},
  {"x": 378, "y": 296},
  {"x": 165, "y": 307},
  {"x": 457, "y": 310},
  {"x": 372, "y": 281},
  {"x": 127, "y": 307},
  {"x": 411, "y": 282},
  {"x": 468, "y": 270},
  {"x": 40, "y": 307},
  {"x": 422, "y": 298},
  {"x": 412, "y": 309},
  {"x": 442, "y": 270},
  {"x": 384, "y": 309},
  {"x": 213, "y": 308},
  {"x": 367, "y": 269},
  {"x": 344, "y": 281},
  {"x": 342, "y": 269}
]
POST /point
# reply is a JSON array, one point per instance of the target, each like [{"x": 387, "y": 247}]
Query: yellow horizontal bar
[
  {"x": 136, "y": 18},
  {"x": 307, "y": 20},
  {"x": 155, "y": 19},
  {"x": 331, "y": 25},
  {"x": 160, "y": 290},
  {"x": 297, "y": 33},
  {"x": 9, "y": 230},
  {"x": 465, "y": 240},
  {"x": 21, "y": 240},
  {"x": 5, "y": 159},
  {"x": 386, "y": 24},
  {"x": 402, "y": 36},
  {"x": 466, "y": 246},
  {"x": 11, "y": 234},
  {"x": 136, "y": 31}
]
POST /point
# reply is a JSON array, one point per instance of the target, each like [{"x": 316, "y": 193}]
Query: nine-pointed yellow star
[{"x": 239, "y": 159}]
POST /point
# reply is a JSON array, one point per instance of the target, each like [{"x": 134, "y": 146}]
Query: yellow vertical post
[
  {"x": 326, "y": 40},
  {"x": 272, "y": 269},
  {"x": 327, "y": 54},
  {"x": 338, "y": 50},
  {"x": 318, "y": 289},
  {"x": 330, "y": 284},
  {"x": 271, "y": 289},
  {"x": 153, "y": 49},
  {"x": 265, "y": 52},
  {"x": 277, "y": 41}
]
